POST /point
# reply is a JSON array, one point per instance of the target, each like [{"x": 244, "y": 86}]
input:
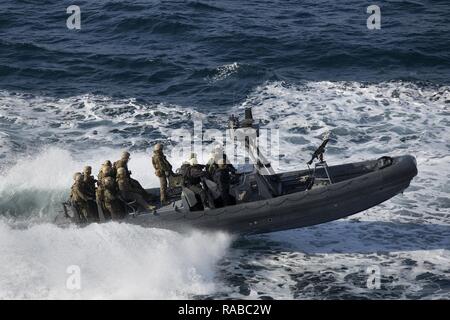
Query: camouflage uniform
[
  {"x": 122, "y": 163},
  {"x": 89, "y": 190},
  {"x": 105, "y": 171},
  {"x": 136, "y": 186},
  {"x": 162, "y": 170},
  {"x": 100, "y": 198},
  {"x": 113, "y": 204},
  {"x": 79, "y": 198},
  {"x": 128, "y": 192}
]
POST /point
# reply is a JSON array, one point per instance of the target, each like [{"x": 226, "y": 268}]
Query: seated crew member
[
  {"x": 218, "y": 154},
  {"x": 211, "y": 165},
  {"x": 192, "y": 178},
  {"x": 183, "y": 168},
  {"x": 192, "y": 161},
  {"x": 222, "y": 177},
  {"x": 79, "y": 198},
  {"x": 105, "y": 171},
  {"x": 123, "y": 163},
  {"x": 100, "y": 198},
  {"x": 128, "y": 191},
  {"x": 89, "y": 189},
  {"x": 112, "y": 202}
]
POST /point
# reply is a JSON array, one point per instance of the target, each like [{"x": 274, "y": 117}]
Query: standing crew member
[{"x": 163, "y": 169}]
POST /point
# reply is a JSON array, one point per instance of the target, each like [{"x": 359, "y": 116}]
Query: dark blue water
[{"x": 169, "y": 50}]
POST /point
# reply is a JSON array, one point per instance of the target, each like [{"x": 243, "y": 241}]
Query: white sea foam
[
  {"x": 408, "y": 237},
  {"x": 223, "y": 72},
  {"x": 116, "y": 261},
  {"x": 366, "y": 121}
]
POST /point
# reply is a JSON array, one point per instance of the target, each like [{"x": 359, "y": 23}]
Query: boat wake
[
  {"x": 115, "y": 261},
  {"x": 407, "y": 237}
]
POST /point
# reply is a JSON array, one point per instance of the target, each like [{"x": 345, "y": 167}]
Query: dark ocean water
[
  {"x": 170, "y": 50},
  {"x": 139, "y": 69}
]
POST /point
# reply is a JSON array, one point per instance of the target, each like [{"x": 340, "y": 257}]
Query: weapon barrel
[{"x": 319, "y": 151}]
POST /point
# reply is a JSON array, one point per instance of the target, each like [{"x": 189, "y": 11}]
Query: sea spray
[{"x": 115, "y": 260}]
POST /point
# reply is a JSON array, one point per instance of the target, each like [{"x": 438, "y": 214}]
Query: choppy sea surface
[{"x": 138, "y": 70}]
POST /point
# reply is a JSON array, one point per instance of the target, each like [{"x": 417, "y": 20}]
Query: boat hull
[{"x": 295, "y": 210}]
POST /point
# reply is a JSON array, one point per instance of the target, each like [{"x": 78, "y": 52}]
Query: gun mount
[
  {"x": 318, "y": 154},
  {"x": 246, "y": 134}
]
